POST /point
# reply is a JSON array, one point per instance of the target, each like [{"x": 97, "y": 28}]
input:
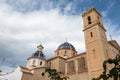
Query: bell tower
[{"x": 95, "y": 41}]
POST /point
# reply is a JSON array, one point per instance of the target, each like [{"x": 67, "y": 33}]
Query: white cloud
[{"x": 20, "y": 31}]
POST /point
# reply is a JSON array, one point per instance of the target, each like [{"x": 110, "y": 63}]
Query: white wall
[{"x": 16, "y": 75}]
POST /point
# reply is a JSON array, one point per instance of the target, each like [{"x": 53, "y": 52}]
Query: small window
[
  {"x": 65, "y": 54},
  {"x": 33, "y": 62},
  {"x": 41, "y": 63},
  {"x": 73, "y": 53},
  {"x": 98, "y": 17},
  {"x": 57, "y": 53},
  {"x": 94, "y": 53},
  {"x": 91, "y": 34},
  {"x": 89, "y": 19}
]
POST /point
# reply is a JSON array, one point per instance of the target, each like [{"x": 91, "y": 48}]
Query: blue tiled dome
[
  {"x": 66, "y": 45},
  {"x": 38, "y": 54}
]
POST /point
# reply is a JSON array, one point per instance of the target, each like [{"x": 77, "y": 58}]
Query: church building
[{"x": 77, "y": 66}]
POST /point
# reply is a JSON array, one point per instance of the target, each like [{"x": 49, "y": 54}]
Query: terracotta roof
[
  {"x": 27, "y": 72},
  {"x": 67, "y": 58},
  {"x": 55, "y": 58},
  {"x": 37, "y": 68},
  {"x": 24, "y": 68}
]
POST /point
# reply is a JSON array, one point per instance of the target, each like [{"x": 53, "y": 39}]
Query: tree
[
  {"x": 53, "y": 74},
  {"x": 114, "y": 72}
]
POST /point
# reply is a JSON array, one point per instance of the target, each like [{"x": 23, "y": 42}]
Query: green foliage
[
  {"x": 53, "y": 74},
  {"x": 114, "y": 72}
]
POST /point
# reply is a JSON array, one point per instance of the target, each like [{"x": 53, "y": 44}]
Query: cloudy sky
[{"x": 24, "y": 24}]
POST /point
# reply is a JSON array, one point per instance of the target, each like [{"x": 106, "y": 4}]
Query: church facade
[{"x": 77, "y": 66}]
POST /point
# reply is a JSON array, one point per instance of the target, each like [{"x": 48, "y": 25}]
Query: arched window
[
  {"x": 57, "y": 53},
  {"x": 65, "y": 54},
  {"x": 98, "y": 19},
  {"x": 40, "y": 62},
  {"x": 73, "y": 53},
  {"x": 89, "y": 19},
  {"x": 33, "y": 62}
]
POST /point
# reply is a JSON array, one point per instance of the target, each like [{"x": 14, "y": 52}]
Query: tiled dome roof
[
  {"x": 66, "y": 45},
  {"x": 38, "y": 54}
]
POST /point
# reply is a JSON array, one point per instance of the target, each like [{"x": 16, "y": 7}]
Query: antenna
[
  {"x": 3, "y": 60},
  {"x": 110, "y": 37},
  {"x": 13, "y": 65}
]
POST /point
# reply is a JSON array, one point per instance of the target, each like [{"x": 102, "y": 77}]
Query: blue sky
[{"x": 24, "y": 24}]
